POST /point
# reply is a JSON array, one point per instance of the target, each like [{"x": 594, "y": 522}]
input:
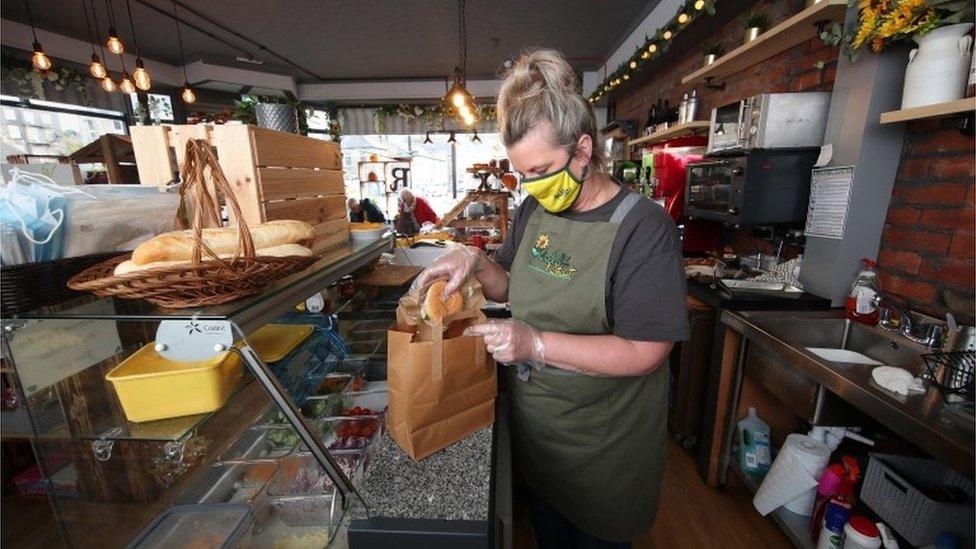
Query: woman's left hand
[{"x": 511, "y": 341}]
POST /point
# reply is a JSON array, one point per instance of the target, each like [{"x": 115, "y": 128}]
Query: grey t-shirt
[{"x": 645, "y": 289}]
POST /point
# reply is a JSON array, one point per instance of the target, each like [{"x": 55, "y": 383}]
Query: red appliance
[{"x": 670, "y": 160}]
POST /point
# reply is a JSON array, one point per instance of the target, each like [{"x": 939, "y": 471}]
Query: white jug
[{"x": 937, "y": 69}]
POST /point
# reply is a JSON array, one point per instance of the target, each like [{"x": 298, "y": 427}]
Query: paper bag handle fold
[{"x": 437, "y": 347}]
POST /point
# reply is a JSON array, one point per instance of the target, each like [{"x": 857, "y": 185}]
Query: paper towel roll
[{"x": 792, "y": 480}]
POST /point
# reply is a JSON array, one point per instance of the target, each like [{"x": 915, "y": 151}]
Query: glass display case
[{"x": 245, "y": 424}]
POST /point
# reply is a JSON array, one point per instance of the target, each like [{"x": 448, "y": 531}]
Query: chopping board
[{"x": 389, "y": 275}]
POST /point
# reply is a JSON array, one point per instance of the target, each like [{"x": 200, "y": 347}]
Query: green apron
[{"x": 592, "y": 447}]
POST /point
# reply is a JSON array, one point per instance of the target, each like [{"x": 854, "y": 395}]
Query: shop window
[{"x": 45, "y": 127}]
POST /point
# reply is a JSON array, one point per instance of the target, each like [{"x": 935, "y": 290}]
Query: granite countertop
[{"x": 453, "y": 484}]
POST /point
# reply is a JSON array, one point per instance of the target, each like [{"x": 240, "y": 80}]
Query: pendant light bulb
[
  {"x": 125, "y": 83},
  {"x": 699, "y": 4},
  {"x": 457, "y": 98},
  {"x": 652, "y": 48},
  {"x": 464, "y": 110},
  {"x": 108, "y": 84},
  {"x": 40, "y": 59},
  {"x": 633, "y": 64},
  {"x": 683, "y": 18},
  {"x": 96, "y": 68},
  {"x": 113, "y": 43},
  {"x": 187, "y": 93},
  {"x": 667, "y": 34},
  {"x": 141, "y": 76}
]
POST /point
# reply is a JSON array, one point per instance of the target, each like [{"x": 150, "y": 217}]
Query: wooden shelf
[
  {"x": 795, "y": 30},
  {"x": 688, "y": 128},
  {"x": 930, "y": 111}
]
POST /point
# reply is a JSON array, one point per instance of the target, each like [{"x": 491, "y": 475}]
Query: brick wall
[
  {"x": 927, "y": 251},
  {"x": 927, "y": 248}
]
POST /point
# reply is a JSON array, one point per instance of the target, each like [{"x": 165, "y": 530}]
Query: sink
[{"x": 840, "y": 333}]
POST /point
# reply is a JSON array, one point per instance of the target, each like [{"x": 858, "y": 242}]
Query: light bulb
[
  {"x": 113, "y": 43},
  {"x": 699, "y": 4},
  {"x": 626, "y": 77},
  {"x": 683, "y": 18},
  {"x": 468, "y": 120},
  {"x": 458, "y": 99},
  {"x": 40, "y": 59},
  {"x": 667, "y": 35},
  {"x": 633, "y": 64},
  {"x": 141, "y": 76},
  {"x": 108, "y": 84},
  {"x": 125, "y": 83},
  {"x": 652, "y": 48},
  {"x": 187, "y": 94},
  {"x": 645, "y": 55},
  {"x": 464, "y": 110},
  {"x": 97, "y": 69}
]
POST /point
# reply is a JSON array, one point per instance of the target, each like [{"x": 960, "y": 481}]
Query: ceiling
[{"x": 361, "y": 39}]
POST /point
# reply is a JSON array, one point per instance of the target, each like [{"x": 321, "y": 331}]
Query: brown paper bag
[{"x": 441, "y": 384}]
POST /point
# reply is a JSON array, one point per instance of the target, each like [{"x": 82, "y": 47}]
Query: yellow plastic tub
[
  {"x": 151, "y": 387},
  {"x": 273, "y": 342}
]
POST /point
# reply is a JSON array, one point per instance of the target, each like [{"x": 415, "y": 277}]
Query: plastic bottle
[
  {"x": 832, "y": 533},
  {"x": 861, "y": 533},
  {"x": 754, "y": 454},
  {"x": 860, "y": 305}
]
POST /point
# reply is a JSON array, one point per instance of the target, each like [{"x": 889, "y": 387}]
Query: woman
[{"x": 593, "y": 276}]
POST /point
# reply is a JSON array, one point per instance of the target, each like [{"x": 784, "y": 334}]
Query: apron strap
[{"x": 624, "y": 207}]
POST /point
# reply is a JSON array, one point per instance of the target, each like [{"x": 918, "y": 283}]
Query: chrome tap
[{"x": 931, "y": 334}]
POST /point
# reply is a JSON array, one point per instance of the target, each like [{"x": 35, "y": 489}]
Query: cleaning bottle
[
  {"x": 859, "y": 304},
  {"x": 754, "y": 454}
]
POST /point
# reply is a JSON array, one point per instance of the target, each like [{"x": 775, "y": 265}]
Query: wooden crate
[
  {"x": 275, "y": 175},
  {"x": 280, "y": 175}
]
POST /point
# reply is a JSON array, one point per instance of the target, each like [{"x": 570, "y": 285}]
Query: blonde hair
[{"x": 541, "y": 87}]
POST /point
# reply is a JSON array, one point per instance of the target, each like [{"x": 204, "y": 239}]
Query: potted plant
[
  {"x": 755, "y": 22},
  {"x": 938, "y": 67},
  {"x": 274, "y": 113},
  {"x": 713, "y": 52}
]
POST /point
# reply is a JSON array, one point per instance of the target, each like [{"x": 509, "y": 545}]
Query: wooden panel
[
  {"x": 294, "y": 151},
  {"x": 155, "y": 162},
  {"x": 795, "y": 30},
  {"x": 331, "y": 227},
  {"x": 331, "y": 241},
  {"x": 311, "y": 210},
  {"x": 723, "y": 405},
  {"x": 280, "y": 183},
  {"x": 236, "y": 154},
  {"x": 958, "y": 106},
  {"x": 179, "y": 134}
]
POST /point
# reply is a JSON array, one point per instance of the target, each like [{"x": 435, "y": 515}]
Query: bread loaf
[
  {"x": 436, "y": 307},
  {"x": 178, "y": 245},
  {"x": 282, "y": 250}
]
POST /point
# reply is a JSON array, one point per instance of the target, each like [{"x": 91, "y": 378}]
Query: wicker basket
[{"x": 198, "y": 283}]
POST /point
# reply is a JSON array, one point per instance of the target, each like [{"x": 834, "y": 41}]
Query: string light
[
  {"x": 626, "y": 77},
  {"x": 114, "y": 44},
  {"x": 699, "y": 4},
  {"x": 140, "y": 74},
  {"x": 652, "y": 48},
  {"x": 683, "y": 18},
  {"x": 40, "y": 59},
  {"x": 633, "y": 64},
  {"x": 187, "y": 94},
  {"x": 667, "y": 34}
]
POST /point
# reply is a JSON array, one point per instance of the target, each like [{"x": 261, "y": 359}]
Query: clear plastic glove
[
  {"x": 456, "y": 265},
  {"x": 511, "y": 341}
]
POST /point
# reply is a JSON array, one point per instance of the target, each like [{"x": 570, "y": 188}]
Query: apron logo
[{"x": 554, "y": 263}]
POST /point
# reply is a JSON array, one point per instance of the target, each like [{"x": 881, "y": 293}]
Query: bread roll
[
  {"x": 178, "y": 245},
  {"x": 282, "y": 250},
  {"x": 434, "y": 308}
]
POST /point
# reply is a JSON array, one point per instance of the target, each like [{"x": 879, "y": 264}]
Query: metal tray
[{"x": 752, "y": 288}]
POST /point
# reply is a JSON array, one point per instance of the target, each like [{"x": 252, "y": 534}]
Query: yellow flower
[{"x": 542, "y": 242}]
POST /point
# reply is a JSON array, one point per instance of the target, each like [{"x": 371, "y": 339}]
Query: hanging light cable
[
  {"x": 95, "y": 68},
  {"x": 114, "y": 44},
  {"x": 458, "y": 98},
  {"x": 140, "y": 75},
  {"x": 187, "y": 94},
  {"x": 40, "y": 59},
  {"x": 106, "y": 83}
]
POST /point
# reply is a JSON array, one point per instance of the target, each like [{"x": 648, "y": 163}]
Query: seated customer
[
  {"x": 364, "y": 210},
  {"x": 418, "y": 206}
]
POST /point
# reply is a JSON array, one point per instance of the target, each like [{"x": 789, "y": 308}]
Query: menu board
[{"x": 830, "y": 191}]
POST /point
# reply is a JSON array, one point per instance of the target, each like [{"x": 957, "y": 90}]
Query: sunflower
[{"x": 542, "y": 242}]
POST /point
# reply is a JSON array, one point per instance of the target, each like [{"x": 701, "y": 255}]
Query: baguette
[
  {"x": 178, "y": 245},
  {"x": 282, "y": 250}
]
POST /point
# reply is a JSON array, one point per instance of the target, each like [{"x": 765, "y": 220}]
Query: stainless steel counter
[{"x": 922, "y": 419}]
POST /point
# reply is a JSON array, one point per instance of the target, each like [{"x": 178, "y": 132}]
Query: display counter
[{"x": 258, "y": 446}]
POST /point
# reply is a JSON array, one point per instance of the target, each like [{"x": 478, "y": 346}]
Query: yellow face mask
[{"x": 556, "y": 191}]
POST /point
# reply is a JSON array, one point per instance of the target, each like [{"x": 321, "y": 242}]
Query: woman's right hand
[{"x": 456, "y": 265}]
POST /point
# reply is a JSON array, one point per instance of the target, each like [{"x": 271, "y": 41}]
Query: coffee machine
[{"x": 662, "y": 178}]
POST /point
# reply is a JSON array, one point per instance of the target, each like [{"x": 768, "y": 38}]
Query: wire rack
[{"x": 952, "y": 373}]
